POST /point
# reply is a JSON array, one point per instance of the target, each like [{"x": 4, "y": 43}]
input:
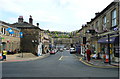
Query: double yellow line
[{"x": 81, "y": 59}]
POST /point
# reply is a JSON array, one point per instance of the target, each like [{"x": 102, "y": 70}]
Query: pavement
[
  {"x": 99, "y": 63},
  {"x": 23, "y": 57}
]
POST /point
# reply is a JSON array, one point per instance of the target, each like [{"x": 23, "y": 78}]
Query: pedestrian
[
  {"x": 45, "y": 50},
  {"x": 88, "y": 52},
  {"x": 48, "y": 50},
  {"x": 4, "y": 53},
  {"x": 0, "y": 55}
]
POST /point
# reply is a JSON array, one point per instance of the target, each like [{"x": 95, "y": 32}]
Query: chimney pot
[
  {"x": 20, "y": 19},
  {"x": 38, "y": 24},
  {"x": 96, "y": 13},
  {"x": 30, "y": 20}
]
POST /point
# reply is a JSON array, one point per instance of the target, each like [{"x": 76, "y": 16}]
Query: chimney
[
  {"x": 37, "y": 24},
  {"x": 20, "y": 19},
  {"x": 97, "y": 13},
  {"x": 30, "y": 20}
]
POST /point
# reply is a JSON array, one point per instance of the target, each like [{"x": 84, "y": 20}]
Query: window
[
  {"x": 114, "y": 18},
  {"x": 104, "y": 22},
  {"x": 97, "y": 25},
  {"x": 11, "y": 35},
  {"x": 17, "y": 34},
  {"x": 14, "y": 34},
  {"x": 3, "y": 30},
  {"x": 92, "y": 26}
]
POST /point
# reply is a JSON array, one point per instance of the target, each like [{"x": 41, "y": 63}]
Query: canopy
[{"x": 112, "y": 40}]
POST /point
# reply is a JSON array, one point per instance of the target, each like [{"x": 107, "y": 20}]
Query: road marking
[
  {"x": 96, "y": 66},
  {"x": 12, "y": 61},
  {"x": 61, "y": 58},
  {"x": 90, "y": 64}
]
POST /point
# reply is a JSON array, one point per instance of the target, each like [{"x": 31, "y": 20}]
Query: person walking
[
  {"x": 4, "y": 53},
  {"x": 88, "y": 52}
]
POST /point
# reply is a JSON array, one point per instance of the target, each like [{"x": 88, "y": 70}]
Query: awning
[
  {"x": 112, "y": 40},
  {"x": 3, "y": 42}
]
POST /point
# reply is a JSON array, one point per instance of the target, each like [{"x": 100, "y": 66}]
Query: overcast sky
[{"x": 57, "y": 15}]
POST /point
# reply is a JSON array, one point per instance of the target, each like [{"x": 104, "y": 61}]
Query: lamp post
[{"x": 109, "y": 48}]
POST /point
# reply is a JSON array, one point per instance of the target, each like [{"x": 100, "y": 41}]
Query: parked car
[
  {"x": 72, "y": 50},
  {"x": 61, "y": 49},
  {"x": 10, "y": 52},
  {"x": 67, "y": 49},
  {"x": 52, "y": 51},
  {"x": 56, "y": 50},
  {"x": 64, "y": 48}
]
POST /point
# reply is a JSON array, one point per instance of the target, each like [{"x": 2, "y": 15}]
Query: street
[{"x": 62, "y": 64}]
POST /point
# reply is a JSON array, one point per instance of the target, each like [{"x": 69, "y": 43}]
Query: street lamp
[{"x": 109, "y": 48}]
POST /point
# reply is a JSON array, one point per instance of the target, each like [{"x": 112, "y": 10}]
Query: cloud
[
  {"x": 9, "y": 5},
  {"x": 53, "y": 14}
]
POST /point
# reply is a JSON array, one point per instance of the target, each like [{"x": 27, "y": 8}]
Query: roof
[
  {"x": 104, "y": 10},
  {"x": 9, "y": 25},
  {"x": 4, "y": 23},
  {"x": 100, "y": 13},
  {"x": 25, "y": 25}
]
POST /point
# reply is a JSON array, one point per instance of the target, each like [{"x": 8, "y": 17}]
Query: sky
[{"x": 53, "y": 15}]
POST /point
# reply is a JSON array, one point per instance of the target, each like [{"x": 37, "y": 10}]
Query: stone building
[
  {"x": 62, "y": 42},
  {"x": 31, "y": 35},
  {"x": 45, "y": 40},
  {"x": 84, "y": 38},
  {"x": 9, "y": 41},
  {"x": 103, "y": 27}
]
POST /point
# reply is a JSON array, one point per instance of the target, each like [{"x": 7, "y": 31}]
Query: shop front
[{"x": 113, "y": 46}]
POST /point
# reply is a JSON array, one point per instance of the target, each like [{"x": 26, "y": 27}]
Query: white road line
[{"x": 61, "y": 58}]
